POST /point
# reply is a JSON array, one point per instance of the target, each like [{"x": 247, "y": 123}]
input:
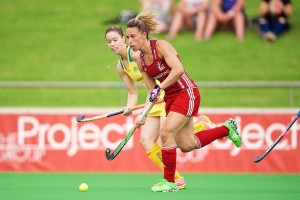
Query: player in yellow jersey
[{"x": 129, "y": 73}]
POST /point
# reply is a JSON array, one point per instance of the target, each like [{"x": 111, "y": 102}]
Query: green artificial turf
[{"x": 60, "y": 186}]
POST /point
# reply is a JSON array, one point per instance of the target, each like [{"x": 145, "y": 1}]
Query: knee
[{"x": 164, "y": 134}]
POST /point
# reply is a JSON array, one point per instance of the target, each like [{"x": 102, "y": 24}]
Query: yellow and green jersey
[{"x": 133, "y": 72}]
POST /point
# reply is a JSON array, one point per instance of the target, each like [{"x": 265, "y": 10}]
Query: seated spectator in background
[
  {"x": 274, "y": 17},
  {"x": 227, "y": 14},
  {"x": 190, "y": 15},
  {"x": 164, "y": 10}
]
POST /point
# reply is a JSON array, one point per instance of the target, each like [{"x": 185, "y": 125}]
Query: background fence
[{"x": 291, "y": 85}]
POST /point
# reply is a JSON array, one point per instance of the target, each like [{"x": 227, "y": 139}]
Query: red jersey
[{"x": 159, "y": 70}]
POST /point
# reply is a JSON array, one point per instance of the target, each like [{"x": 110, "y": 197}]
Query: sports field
[
  {"x": 63, "y": 40},
  {"x": 58, "y": 186}
]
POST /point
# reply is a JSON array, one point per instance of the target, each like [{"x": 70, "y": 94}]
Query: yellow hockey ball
[{"x": 83, "y": 187}]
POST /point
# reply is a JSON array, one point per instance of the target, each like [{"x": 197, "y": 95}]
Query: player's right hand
[
  {"x": 140, "y": 121},
  {"x": 127, "y": 111}
]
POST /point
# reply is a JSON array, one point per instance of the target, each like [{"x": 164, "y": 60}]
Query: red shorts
[{"x": 186, "y": 102}]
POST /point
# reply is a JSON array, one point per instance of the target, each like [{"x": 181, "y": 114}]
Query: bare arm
[
  {"x": 149, "y": 82},
  {"x": 167, "y": 52},
  {"x": 132, "y": 91}
]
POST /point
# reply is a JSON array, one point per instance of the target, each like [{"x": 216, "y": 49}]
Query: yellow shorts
[{"x": 158, "y": 110}]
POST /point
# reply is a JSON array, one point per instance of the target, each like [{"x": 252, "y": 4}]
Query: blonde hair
[{"x": 145, "y": 22}]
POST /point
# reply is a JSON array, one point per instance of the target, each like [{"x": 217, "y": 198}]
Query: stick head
[
  {"x": 257, "y": 159},
  {"x": 80, "y": 118},
  {"x": 108, "y": 155}
]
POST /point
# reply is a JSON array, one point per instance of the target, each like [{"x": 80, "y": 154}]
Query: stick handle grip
[{"x": 146, "y": 110}]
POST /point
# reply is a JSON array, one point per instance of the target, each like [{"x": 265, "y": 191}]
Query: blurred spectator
[
  {"x": 190, "y": 15},
  {"x": 274, "y": 17},
  {"x": 164, "y": 10},
  {"x": 227, "y": 14}
]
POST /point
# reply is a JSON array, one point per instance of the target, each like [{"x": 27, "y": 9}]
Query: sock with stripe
[
  {"x": 154, "y": 155},
  {"x": 206, "y": 137}
]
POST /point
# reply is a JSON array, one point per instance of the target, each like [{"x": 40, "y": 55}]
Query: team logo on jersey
[
  {"x": 160, "y": 66},
  {"x": 135, "y": 69}
]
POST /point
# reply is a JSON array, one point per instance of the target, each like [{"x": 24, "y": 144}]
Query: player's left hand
[{"x": 154, "y": 94}]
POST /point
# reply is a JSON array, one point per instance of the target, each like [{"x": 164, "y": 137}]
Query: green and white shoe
[
  {"x": 233, "y": 135},
  {"x": 164, "y": 186}
]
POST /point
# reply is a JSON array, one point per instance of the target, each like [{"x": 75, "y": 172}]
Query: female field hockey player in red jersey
[
  {"x": 159, "y": 60},
  {"x": 128, "y": 71}
]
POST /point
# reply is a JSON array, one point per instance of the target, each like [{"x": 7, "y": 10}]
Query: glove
[{"x": 154, "y": 94}]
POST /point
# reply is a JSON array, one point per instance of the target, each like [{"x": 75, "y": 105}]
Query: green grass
[
  {"x": 50, "y": 186},
  {"x": 64, "y": 41},
  {"x": 106, "y": 98}
]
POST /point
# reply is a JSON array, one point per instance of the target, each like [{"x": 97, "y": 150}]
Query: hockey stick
[
  {"x": 82, "y": 118},
  {"x": 259, "y": 158},
  {"x": 111, "y": 156}
]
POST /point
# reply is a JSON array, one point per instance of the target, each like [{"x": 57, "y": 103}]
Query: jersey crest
[{"x": 160, "y": 66}]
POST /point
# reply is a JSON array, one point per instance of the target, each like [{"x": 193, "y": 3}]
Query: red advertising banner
[{"x": 52, "y": 140}]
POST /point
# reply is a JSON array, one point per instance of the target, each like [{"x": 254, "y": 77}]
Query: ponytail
[{"x": 145, "y": 22}]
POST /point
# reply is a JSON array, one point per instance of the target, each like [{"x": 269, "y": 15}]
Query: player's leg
[
  {"x": 185, "y": 139},
  {"x": 178, "y": 106},
  {"x": 229, "y": 130},
  {"x": 206, "y": 132},
  {"x": 201, "y": 122},
  {"x": 150, "y": 132},
  {"x": 174, "y": 122},
  {"x": 149, "y": 135}
]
